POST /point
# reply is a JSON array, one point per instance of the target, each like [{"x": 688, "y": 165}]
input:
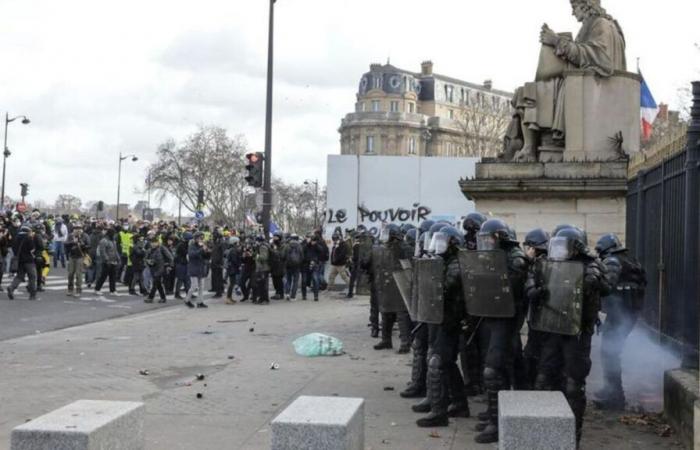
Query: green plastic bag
[{"x": 317, "y": 344}]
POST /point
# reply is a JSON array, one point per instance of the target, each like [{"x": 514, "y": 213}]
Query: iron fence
[{"x": 663, "y": 232}]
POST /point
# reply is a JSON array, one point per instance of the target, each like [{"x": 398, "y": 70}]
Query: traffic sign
[
  {"x": 21, "y": 207},
  {"x": 199, "y": 215}
]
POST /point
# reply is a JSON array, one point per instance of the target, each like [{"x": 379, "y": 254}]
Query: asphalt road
[{"x": 54, "y": 310}]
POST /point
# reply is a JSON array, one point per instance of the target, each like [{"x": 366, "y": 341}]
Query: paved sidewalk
[{"x": 241, "y": 394}]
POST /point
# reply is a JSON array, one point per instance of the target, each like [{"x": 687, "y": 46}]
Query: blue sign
[{"x": 199, "y": 215}]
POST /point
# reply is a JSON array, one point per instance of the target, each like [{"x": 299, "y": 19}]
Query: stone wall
[{"x": 598, "y": 216}]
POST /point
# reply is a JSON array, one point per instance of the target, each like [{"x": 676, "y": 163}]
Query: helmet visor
[
  {"x": 384, "y": 236},
  {"x": 486, "y": 242},
  {"x": 438, "y": 243},
  {"x": 561, "y": 249}
]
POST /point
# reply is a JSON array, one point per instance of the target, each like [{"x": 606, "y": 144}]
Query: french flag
[{"x": 649, "y": 110}]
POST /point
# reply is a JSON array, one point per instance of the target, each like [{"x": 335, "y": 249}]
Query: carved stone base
[{"x": 591, "y": 195}]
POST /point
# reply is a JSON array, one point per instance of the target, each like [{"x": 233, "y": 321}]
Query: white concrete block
[
  {"x": 320, "y": 423},
  {"x": 84, "y": 425}
]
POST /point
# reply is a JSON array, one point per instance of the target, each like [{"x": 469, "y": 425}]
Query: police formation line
[{"x": 465, "y": 294}]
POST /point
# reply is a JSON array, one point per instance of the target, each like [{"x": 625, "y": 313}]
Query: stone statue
[{"x": 538, "y": 122}]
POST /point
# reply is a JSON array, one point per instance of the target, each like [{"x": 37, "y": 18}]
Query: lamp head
[
  {"x": 26, "y": 121},
  {"x": 134, "y": 158}
]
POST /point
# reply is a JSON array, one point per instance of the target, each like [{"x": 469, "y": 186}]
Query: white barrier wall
[{"x": 372, "y": 190}]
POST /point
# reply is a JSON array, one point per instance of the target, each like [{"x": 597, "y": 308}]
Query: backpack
[{"x": 294, "y": 256}]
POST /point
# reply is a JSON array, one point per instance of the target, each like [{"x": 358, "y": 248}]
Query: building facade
[{"x": 402, "y": 113}]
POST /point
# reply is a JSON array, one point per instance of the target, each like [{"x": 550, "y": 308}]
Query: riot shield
[
  {"x": 561, "y": 308},
  {"x": 383, "y": 267},
  {"x": 404, "y": 282},
  {"x": 428, "y": 290},
  {"x": 485, "y": 283}
]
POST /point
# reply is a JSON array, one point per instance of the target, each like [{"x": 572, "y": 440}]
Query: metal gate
[{"x": 663, "y": 225}]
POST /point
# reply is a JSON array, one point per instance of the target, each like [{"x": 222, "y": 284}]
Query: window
[
  {"x": 495, "y": 102},
  {"x": 377, "y": 81},
  {"x": 394, "y": 106},
  {"x": 376, "y": 106},
  {"x": 411, "y": 107},
  {"x": 412, "y": 146},
  {"x": 451, "y": 114},
  {"x": 449, "y": 93},
  {"x": 370, "y": 144}
]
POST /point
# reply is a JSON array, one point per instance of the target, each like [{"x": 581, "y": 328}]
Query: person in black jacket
[
  {"x": 159, "y": 261},
  {"x": 339, "y": 261},
  {"x": 77, "y": 246},
  {"x": 23, "y": 249},
  {"x": 277, "y": 266},
  {"x": 39, "y": 261},
  {"x": 233, "y": 268},
  {"x": 4, "y": 248},
  {"x": 182, "y": 280},
  {"x": 217, "y": 264},
  {"x": 314, "y": 251},
  {"x": 138, "y": 255},
  {"x": 247, "y": 280}
]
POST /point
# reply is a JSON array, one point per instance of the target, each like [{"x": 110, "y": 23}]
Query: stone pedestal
[
  {"x": 320, "y": 423},
  {"x": 84, "y": 425},
  {"x": 591, "y": 195},
  {"x": 681, "y": 404}
]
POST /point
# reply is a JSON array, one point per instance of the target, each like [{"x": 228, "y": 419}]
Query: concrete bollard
[
  {"x": 84, "y": 425},
  {"x": 320, "y": 423},
  {"x": 539, "y": 420}
]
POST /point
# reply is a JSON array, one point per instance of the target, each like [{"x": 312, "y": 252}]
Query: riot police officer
[
  {"x": 496, "y": 297},
  {"x": 471, "y": 359},
  {"x": 565, "y": 291},
  {"x": 383, "y": 261},
  {"x": 627, "y": 280},
  {"x": 444, "y": 381},
  {"x": 536, "y": 246},
  {"x": 419, "y": 367}
]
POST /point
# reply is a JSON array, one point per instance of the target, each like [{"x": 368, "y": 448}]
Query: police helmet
[
  {"x": 538, "y": 239},
  {"x": 411, "y": 236},
  {"x": 425, "y": 225},
  {"x": 493, "y": 233},
  {"x": 609, "y": 243},
  {"x": 442, "y": 240},
  {"x": 473, "y": 222},
  {"x": 390, "y": 232},
  {"x": 568, "y": 243}
]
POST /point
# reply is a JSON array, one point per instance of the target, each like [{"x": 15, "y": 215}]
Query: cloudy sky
[{"x": 98, "y": 78}]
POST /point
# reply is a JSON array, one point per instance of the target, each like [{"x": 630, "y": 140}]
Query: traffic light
[
  {"x": 200, "y": 198},
  {"x": 100, "y": 206},
  {"x": 25, "y": 189},
  {"x": 254, "y": 167}
]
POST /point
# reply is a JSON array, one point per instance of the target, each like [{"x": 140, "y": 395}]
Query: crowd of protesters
[{"x": 166, "y": 260}]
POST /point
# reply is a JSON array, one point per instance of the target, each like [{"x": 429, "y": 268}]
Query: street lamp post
[
  {"x": 134, "y": 158},
  {"x": 6, "y": 152},
  {"x": 315, "y": 183},
  {"x": 267, "y": 179}
]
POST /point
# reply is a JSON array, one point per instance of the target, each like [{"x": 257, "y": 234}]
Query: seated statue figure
[{"x": 539, "y": 121}]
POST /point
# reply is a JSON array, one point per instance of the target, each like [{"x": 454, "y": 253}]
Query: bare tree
[
  {"x": 483, "y": 122},
  {"x": 207, "y": 160},
  {"x": 67, "y": 203},
  {"x": 296, "y": 204}
]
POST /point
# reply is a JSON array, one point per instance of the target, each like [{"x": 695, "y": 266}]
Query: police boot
[
  {"x": 404, "y": 333},
  {"x": 438, "y": 396},
  {"x": 387, "y": 327},
  {"x": 416, "y": 388},
  {"x": 489, "y": 433},
  {"x": 576, "y": 396},
  {"x": 375, "y": 331},
  {"x": 612, "y": 396},
  {"x": 422, "y": 407}
]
